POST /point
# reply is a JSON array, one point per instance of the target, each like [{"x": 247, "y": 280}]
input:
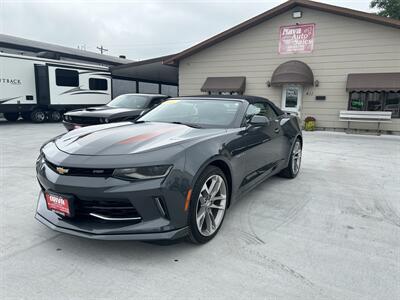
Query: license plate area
[{"x": 60, "y": 204}]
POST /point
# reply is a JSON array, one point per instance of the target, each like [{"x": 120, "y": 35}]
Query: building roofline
[
  {"x": 277, "y": 10},
  {"x": 160, "y": 59},
  {"x": 14, "y": 42}
]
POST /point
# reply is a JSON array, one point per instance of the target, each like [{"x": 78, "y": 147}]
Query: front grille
[
  {"x": 84, "y": 120},
  {"x": 85, "y": 172},
  {"x": 113, "y": 208}
]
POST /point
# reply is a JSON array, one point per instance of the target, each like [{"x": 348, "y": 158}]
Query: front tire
[
  {"x": 293, "y": 167},
  {"x": 11, "y": 117},
  {"x": 208, "y": 205}
]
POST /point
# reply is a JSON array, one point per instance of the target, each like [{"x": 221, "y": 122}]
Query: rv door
[{"x": 42, "y": 84}]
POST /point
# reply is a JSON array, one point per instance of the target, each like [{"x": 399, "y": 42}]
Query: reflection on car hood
[
  {"x": 129, "y": 138},
  {"x": 104, "y": 112}
]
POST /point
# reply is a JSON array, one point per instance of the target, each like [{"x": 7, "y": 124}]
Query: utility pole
[{"x": 102, "y": 49}]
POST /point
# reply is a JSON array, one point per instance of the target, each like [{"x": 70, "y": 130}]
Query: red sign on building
[{"x": 296, "y": 39}]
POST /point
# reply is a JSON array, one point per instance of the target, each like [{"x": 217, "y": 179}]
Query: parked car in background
[
  {"x": 123, "y": 108},
  {"x": 172, "y": 173}
]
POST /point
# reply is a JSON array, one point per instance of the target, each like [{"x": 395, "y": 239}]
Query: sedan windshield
[
  {"x": 198, "y": 113},
  {"x": 129, "y": 101}
]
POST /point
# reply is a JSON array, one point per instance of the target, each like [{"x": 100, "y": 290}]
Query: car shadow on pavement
[
  {"x": 87, "y": 248},
  {"x": 119, "y": 255}
]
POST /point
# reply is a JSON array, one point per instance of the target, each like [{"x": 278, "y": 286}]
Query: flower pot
[{"x": 309, "y": 126}]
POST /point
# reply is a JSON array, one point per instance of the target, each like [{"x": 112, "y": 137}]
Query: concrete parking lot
[{"x": 331, "y": 233}]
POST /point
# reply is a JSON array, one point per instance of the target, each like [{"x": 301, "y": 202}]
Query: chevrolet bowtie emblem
[{"x": 62, "y": 171}]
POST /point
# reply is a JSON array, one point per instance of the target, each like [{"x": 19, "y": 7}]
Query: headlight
[{"x": 141, "y": 173}]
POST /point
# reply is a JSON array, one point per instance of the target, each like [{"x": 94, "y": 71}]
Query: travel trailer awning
[
  {"x": 224, "y": 84},
  {"x": 293, "y": 71},
  {"x": 373, "y": 82}
]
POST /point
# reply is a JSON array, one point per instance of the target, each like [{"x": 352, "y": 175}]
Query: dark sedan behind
[{"x": 123, "y": 108}]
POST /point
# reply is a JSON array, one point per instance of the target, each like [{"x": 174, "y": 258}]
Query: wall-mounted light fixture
[
  {"x": 316, "y": 83},
  {"x": 268, "y": 83},
  {"x": 297, "y": 14}
]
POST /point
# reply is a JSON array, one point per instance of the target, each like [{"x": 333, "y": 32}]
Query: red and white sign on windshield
[{"x": 296, "y": 39}]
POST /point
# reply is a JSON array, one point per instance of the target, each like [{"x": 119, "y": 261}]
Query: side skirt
[{"x": 259, "y": 176}]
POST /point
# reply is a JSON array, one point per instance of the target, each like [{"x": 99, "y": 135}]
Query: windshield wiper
[{"x": 187, "y": 124}]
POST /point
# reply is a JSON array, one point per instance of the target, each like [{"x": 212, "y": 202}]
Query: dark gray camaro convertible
[{"x": 172, "y": 173}]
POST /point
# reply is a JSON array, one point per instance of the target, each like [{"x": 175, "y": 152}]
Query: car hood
[
  {"x": 104, "y": 112},
  {"x": 128, "y": 138}
]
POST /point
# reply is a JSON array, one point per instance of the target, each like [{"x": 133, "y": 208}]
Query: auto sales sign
[{"x": 296, "y": 39}]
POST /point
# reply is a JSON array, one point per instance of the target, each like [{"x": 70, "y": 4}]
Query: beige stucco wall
[{"x": 342, "y": 46}]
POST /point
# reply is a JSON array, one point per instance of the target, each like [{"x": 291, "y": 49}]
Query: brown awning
[
  {"x": 373, "y": 82},
  {"x": 293, "y": 71},
  {"x": 224, "y": 84}
]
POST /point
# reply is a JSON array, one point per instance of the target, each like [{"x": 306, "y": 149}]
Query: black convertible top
[{"x": 248, "y": 98}]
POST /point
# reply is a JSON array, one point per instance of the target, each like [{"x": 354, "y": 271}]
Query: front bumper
[
  {"x": 168, "y": 235},
  {"x": 71, "y": 126},
  {"x": 165, "y": 221}
]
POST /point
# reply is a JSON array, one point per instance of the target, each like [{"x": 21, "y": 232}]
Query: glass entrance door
[{"x": 291, "y": 98}]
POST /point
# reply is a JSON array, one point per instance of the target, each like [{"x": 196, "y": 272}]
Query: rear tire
[
  {"x": 11, "y": 117},
  {"x": 38, "y": 116},
  {"x": 293, "y": 168},
  {"x": 55, "y": 116},
  {"x": 208, "y": 205}
]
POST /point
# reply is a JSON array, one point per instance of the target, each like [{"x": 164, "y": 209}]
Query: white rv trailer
[{"x": 39, "y": 88}]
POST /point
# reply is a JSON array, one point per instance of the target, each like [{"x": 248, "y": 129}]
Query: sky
[{"x": 138, "y": 29}]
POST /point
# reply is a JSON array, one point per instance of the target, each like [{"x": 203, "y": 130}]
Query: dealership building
[{"x": 309, "y": 58}]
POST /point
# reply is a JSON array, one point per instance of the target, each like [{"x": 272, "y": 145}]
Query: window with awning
[
  {"x": 224, "y": 85},
  {"x": 374, "y": 92},
  {"x": 372, "y": 82}
]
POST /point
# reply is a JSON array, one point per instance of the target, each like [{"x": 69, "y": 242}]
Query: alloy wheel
[
  {"x": 211, "y": 205},
  {"x": 38, "y": 116},
  {"x": 55, "y": 116},
  {"x": 296, "y": 157}
]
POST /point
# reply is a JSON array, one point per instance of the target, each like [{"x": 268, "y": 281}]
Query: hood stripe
[{"x": 146, "y": 136}]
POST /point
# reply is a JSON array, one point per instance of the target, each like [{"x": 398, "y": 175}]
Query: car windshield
[
  {"x": 129, "y": 101},
  {"x": 198, "y": 113}
]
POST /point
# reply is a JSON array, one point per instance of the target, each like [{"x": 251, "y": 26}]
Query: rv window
[
  {"x": 97, "y": 84},
  {"x": 67, "y": 77}
]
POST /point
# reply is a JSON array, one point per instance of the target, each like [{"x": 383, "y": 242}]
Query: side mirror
[{"x": 258, "y": 120}]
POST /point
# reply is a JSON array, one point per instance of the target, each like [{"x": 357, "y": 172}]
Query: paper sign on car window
[{"x": 171, "y": 101}]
